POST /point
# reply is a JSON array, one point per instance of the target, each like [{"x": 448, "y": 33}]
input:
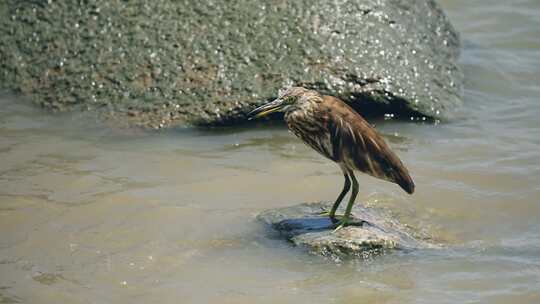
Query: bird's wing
[{"x": 359, "y": 146}]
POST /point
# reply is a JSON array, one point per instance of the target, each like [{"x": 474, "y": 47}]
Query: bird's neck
[{"x": 303, "y": 109}]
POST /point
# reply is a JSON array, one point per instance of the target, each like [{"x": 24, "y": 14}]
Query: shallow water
[{"x": 93, "y": 215}]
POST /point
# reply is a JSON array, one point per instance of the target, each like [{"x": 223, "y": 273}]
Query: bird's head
[{"x": 287, "y": 100}]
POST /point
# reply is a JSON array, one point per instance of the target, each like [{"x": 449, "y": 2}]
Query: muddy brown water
[{"x": 93, "y": 215}]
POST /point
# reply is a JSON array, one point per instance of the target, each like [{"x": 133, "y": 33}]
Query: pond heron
[{"x": 339, "y": 133}]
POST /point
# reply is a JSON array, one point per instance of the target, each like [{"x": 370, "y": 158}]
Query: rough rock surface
[
  {"x": 166, "y": 62},
  {"x": 303, "y": 226}
]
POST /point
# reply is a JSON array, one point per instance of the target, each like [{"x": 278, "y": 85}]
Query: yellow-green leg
[
  {"x": 347, "y": 216},
  {"x": 346, "y": 188}
]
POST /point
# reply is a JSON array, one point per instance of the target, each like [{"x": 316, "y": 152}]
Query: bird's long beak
[{"x": 266, "y": 109}]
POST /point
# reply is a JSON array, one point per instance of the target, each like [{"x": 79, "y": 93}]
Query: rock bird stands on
[{"x": 340, "y": 134}]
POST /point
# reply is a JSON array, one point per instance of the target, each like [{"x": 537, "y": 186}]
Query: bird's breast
[{"x": 311, "y": 129}]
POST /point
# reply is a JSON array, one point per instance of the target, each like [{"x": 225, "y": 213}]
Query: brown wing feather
[{"x": 359, "y": 146}]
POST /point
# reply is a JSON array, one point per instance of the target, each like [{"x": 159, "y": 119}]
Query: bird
[{"x": 338, "y": 132}]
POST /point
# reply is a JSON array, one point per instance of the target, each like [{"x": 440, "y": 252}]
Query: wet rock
[
  {"x": 374, "y": 232},
  {"x": 210, "y": 62}
]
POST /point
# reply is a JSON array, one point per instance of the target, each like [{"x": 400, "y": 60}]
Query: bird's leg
[
  {"x": 346, "y": 187},
  {"x": 346, "y": 217}
]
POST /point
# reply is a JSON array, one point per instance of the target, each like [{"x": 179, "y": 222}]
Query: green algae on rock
[{"x": 163, "y": 62}]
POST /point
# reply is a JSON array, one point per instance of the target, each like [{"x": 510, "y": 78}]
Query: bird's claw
[
  {"x": 333, "y": 217},
  {"x": 340, "y": 221},
  {"x": 329, "y": 214},
  {"x": 324, "y": 213},
  {"x": 347, "y": 222},
  {"x": 339, "y": 226}
]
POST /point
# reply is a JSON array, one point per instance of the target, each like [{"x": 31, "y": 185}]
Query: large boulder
[
  {"x": 373, "y": 231},
  {"x": 165, "y": 62}
]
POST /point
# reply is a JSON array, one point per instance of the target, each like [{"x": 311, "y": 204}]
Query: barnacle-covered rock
[{"x": 162, "y": 62}]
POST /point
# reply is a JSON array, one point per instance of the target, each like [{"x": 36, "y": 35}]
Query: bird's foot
[
  {"x": 340, "y": 221},
  {"x": 340, "y": 226},
  {"x": 344, "y": 222},
  {"x": 333, "y": 217},
  {"x": 324, "y": 213},
  {"x": 330, "y": 215}
]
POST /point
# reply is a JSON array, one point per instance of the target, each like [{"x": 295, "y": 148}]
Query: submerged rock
[
  {"x": 163, "y": 62},
  {"x": 374, "y": 232}
]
